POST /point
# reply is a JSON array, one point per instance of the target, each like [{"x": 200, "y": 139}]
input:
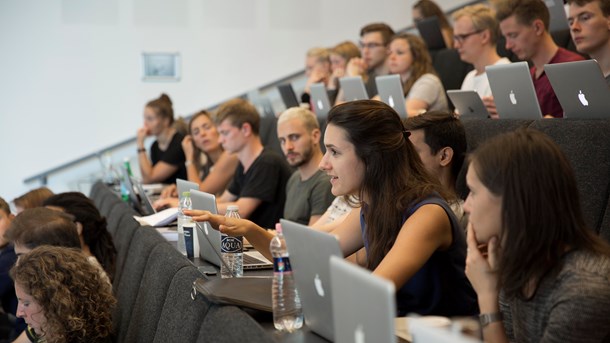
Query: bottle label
[
  {"x": 230, "y": 244},
  {"x": 281, "y": 264}
]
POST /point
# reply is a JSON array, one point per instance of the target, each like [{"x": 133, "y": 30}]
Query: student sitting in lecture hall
[
  {"x": 409, "y": 57},
  {"x": 541, "y": 275},
  {"x": 207, "y": 163},
  {"x": 525, "y": 25},
  {"x": 166, "y": 161},
  {"x": 590, "y": 28},
  {"x": 31, "y": 199},
  {"x": 411, "y": 235},
  {"x": 58, "y": 311}
]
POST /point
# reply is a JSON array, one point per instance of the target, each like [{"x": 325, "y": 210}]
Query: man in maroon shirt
[{"x": 525, "y": 24}]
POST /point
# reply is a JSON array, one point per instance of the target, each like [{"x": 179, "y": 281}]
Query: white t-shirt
[{"x": 479, "y": 83}]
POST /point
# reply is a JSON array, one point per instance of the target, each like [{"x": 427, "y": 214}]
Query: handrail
[{"x": 43, "y": 176}]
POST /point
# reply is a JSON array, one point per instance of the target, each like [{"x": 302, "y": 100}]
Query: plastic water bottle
[
  {"x": 232, "y": 250},
  {"x": 287, "y": 312},
  {"x": 185, "y": 204},
  {"x": 127, "y": 165}
]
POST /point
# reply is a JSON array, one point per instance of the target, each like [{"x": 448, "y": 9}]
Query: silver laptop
[
  {"x": 145, "y": 201},
  {"x": 513, "y": 91},
  {"x": 422, "y": 332},
  {"x": 320, "y": 100},
  {"x": 581, "y": 89},
  {"x": 185, "y": 186},
  {"x": 355, "y": 292},
  {"x": 468, "y": 103},
  {"x": 391, "y": 92},
  {"x": 310, "y": 251},
  {"x": 209, "y": 239},
  {"x": 353, "y": 88}
]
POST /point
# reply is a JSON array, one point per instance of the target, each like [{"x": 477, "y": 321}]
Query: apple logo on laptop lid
[
  {"x": 582, "y": 98},
  {"x": 512, "y": 97},
  {"x": 318, "y": 283}
]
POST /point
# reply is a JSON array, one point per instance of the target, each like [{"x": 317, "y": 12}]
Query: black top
[{"x": 173, "y": 155}]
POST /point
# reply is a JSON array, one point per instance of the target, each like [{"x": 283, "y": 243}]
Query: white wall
[{"x": 70, "y": 70}]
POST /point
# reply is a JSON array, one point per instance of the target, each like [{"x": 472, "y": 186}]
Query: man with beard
[{"x": 308, "y": 190}]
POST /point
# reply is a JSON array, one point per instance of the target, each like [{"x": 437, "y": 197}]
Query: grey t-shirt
[
  {"x": 571, "y": 304},
  {"x": 429, "y": 88},
  {"x": 307, "y": 198}
]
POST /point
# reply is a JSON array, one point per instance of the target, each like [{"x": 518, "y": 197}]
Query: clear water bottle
[
  {"x": 185, "y": 204},
  {"x": 287, "y": 312},
  {"x": 232, "y": 250}
]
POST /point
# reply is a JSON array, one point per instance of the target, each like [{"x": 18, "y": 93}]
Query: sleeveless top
[{"x": 440, "y": 287}]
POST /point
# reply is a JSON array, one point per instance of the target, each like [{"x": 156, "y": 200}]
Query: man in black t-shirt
[{"x": 259, "y": 185}]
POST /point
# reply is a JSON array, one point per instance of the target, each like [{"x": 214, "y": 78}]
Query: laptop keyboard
[{"x": 251, "y": 260}]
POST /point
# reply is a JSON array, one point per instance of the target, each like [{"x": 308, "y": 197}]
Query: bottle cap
[
  {"x": 233, "y": 208},
  {"x": 278, "y": 228},
  {"x": 186, "y": 194}
]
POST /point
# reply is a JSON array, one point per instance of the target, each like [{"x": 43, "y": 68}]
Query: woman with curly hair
[
  {"x": 62, "y": 297},
  {"x": 91, "y": 226}
]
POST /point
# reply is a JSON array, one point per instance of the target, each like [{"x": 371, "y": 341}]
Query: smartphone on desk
[{"x": 207, "y": 270}]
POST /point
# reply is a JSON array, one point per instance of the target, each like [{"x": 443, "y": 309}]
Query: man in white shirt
[
  {"x": 475, "y": 33},
  {"x": 590, "y": 28}
]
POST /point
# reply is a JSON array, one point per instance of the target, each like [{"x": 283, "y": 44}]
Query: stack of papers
[{"x": 163, "y": 218}]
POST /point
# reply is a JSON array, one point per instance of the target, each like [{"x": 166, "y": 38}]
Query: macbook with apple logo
[
  {"x": 581, "y": 89},
  {"x": 513, "y": 91},
  {"x": 468, "y": 104},
  {"x": 310, "y": 250},
  {"x": 390, "y": 92},
  {"x": 355, "y": 293}
]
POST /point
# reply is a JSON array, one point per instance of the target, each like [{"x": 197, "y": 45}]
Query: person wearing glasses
[
  {"x": 374, "y": 40},
  {"x": 475, "y": 34}
]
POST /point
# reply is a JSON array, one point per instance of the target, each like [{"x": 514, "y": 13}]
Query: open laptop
[
  {"x": 468, "y": 104},
  {"x": 513, "y": 91},
  {"x": 320, "y": 100},
  {"x": 430, "y": 31},
  {"x": 209, "y": 239},
  {"x": 185, "y": 186},
  {"x": 288, "y": 95},
  {"x": 390, "y": 92},
  {"x": 581, "y": 89},
  {"x": 353, "y": 88},
  {"x": 422, "y": 332},
  {"x": 137, "y": 196},
  {"x": 355, "y": 292},
  {"x": 310, "y": 251}
]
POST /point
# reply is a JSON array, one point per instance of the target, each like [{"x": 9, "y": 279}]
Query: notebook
[
  {"x": 422, "y": 332},
  {"x": 391, "y": 92},
  {"x": 513, "y": 91},
  {"x": 320, "y": 100},
  {"x": 353, "y": 88},
  {"x": 185, "y": 186},
  {"x": 581, "y": 89},
  {"x": 209, "y": 239},
  {"x": 430, "y": 31},
  {"x": 310, "y": 251},
  {"x": 355, "y": 292},
  {"x": 468, "y": 104},
  {"x": 288, "y": 95}
]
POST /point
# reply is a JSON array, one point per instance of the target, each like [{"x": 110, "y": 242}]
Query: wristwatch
[{"x": 488, "y": 318}]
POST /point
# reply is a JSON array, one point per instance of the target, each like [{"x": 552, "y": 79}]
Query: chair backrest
[
  {"x": 182, "y": 315},
  {"x": 163, "y": 263},
  {"x": 127, "y": 286},
  {"x": 586, "y": 143},
  {"x": 229, "y": 324},
  {"x": 122, "y": 240}
]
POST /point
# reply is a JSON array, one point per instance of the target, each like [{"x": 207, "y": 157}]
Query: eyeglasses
[
  {"x": 461, "y": 38},
  {"x": 370, "y": 45}
]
